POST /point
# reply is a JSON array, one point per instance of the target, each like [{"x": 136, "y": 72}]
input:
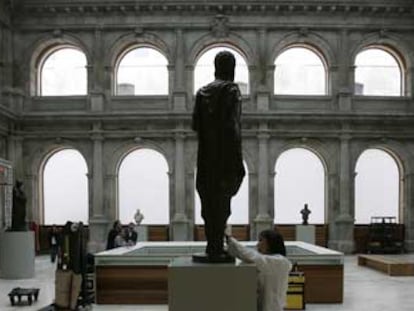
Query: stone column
[
  {"x": 31, "y": 186},
  {"x": 97, "y": 220},
  {"x": 342, "y": 230},
  {"x": 15, "y": 155},
  {"x": 263, "y": 220},
  {"x": 408, "y": 211},
  {"x": 110, "y": 197},
  {"x": 179, "y": 222},
  {"x": 179, "y": 74}
]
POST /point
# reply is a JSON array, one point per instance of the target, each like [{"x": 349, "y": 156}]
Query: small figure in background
[
  {"x": 113, "y": 233},
  {"x": 305, "y": 214},
  {"x": 54, "y": 242},
  {"x": 138, "y": 217},
  {"x": 131, "y": 235}
]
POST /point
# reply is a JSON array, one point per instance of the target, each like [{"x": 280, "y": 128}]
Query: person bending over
[{"x": 272, "y": 266}]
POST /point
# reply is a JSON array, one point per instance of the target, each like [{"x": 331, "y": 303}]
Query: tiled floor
[{"x": 365, "y": 290}]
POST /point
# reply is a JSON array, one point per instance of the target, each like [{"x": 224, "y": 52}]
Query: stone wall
[{"x": 337, "y": 127}]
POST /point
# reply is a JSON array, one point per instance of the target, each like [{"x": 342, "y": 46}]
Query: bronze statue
[
  {"x": 220, "y": 170},
  {"x": 19, "y": 208},
  {"x": 305, "y": 214}
]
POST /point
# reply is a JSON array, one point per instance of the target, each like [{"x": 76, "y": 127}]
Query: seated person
[
  {"x": 272, "y": 266},
  {"x": 131, "y": 235},
  {"x": 120, "y": 239}
]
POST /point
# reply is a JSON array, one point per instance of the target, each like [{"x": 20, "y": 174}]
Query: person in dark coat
[
  {"x": 220, "y": 170},
  {"x": 113, "y": 233},
  {"x": 131, "y": 235},
  {"x": 54, "y": 242}
]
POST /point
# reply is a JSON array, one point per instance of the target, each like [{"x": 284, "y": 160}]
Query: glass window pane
[
  {"x": 204, "y": 69},
  {"x": 377, "y": 73},
  {"x": 64, "y": 73},
  {"x": 376, "y": 186},
  {"x": 142, "y": 71},
  {"x": 299, "y": 180},
  {"x": 144, "y": 185},
  {"x": 299, "y": 71},
  {"x": 239, "y": 204},
  {"x": 65, "y": 185}
]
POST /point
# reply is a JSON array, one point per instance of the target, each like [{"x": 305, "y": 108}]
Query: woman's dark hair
[
  {"x": 115, "y": 224},
  {"x": 275, "y": 242}
]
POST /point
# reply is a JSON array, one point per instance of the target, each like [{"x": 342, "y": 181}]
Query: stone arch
[
  {"x": 395, "y": 46},
  {"x": 45, "y": 46},
  {"x": 123, "y": 205},
  {"x": 129, "y": 41},
  {"x": 126, "y": 148},
  {"x": 401, "y": 159},
  {"x": 208, "y": 41},
  {"x": 40, "y": 158},
  {"x": 311, "y": 40},
  {"x": 322, "y": 153}
]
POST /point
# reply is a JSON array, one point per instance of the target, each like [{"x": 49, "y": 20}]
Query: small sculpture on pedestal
[
  {"x": 305, "y": 214},
  {"x": 220, "y": 170},
  {"x": 19, "y": 208},
  {"x": 138, "y": 217}
]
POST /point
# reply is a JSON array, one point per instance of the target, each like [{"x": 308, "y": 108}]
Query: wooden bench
[
  {"x": 390, "y": 265},
  {"x": 18, "y": 292}
]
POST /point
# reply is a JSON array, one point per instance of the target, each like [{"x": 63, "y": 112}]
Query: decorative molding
[
  {"x": 219, "y": 26},
  {"x": 286, "y": 7}
]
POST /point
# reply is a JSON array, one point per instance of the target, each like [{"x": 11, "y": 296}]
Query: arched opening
[
  {"x": 239, "y": 204},
  {"x": 204, "y": 69},
  {"x": 65, "y": 188},
  {"x": 144, "y": 184},
  {"x": 377, "y": 186},
  {"x": 378, "y": 71},
  {"x": 62, "y": 72},
  {"x": 299, "y": 180},
  {"x": 142, "y": 71},
  {"x": 300, "y": 70}
]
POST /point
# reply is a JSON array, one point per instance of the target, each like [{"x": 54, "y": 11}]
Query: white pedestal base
[
  {"x": 142, "y": 232},
  {"x": 17, "y": 254},
  {"x": 305, "y": 233},
  {"x": 207, "y": 287}
]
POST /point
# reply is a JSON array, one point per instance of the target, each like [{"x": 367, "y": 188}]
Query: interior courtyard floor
[{"x": 365, "y": 289}]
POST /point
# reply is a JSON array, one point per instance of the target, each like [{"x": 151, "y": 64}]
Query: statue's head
[{"x": 224, "y": 63}]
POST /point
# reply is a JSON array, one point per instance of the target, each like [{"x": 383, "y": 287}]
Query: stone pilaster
[
  {"x": 408, "y": 211},
  {"x": 263, "y": 220},
  {"x": 342, "y": 231},
  {"x": 179, "y": 222},
  {"x": 97, "y": 220}
]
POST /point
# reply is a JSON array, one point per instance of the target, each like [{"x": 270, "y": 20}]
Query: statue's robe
[{"x": 220, "y": 170}]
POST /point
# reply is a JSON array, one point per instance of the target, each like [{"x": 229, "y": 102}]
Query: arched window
[
  {"x": 239, "y": 204},
  {"x": 378, "y": 72},
  {"x": 142, "y": 71},
  {"x": 65, "y": 188},
  {"x": 63, "y": 73},
  {"x": 376, "y": 186},
  {"x": 144, "y": 185},
  {"x": 299, "y": 180},
  {"x": 204, "y": 69},
  {"x": 300, "y": 71}
]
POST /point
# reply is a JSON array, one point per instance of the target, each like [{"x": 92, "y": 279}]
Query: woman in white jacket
[{"x": 272, "y": 265}]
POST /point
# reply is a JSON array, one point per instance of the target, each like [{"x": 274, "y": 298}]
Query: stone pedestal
[
  {"x": 206, "y": 287},
  {"x": 17, "y": 255},
  {"x": 305, "y": 233},
  {"x": 142, "y": 232}
]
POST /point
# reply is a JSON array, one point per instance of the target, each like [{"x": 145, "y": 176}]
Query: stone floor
[{"x": 365, "y": 289}]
